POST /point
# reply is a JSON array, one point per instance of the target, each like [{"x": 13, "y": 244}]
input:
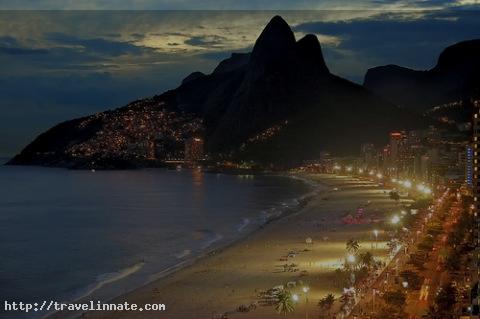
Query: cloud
[
  {"x": 95, "y": 45},
  {"x": 9, "y": 45},
  {"x": 230, "y": 4},
  {"x": 21, "y": 51},
  {"x": 408, "y": 39},
  {"x": 206, "y": 41}
]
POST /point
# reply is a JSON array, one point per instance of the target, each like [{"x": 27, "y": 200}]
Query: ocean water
[{"x": 67, "y": 235}]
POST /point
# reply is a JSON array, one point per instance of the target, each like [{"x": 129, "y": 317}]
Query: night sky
[{"x": 57, "y": 65}]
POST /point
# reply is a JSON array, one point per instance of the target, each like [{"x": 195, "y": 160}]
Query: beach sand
[{"x": 233, "y": 276}]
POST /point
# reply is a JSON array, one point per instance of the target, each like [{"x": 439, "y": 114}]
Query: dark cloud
[
  {"x": 218, "y": 4},
  {"x": 21, "y": 51},
  {"x": 96, "y": 45},
  {"x": 205, "y": 41},
  {"x": 10, "y": 46}
]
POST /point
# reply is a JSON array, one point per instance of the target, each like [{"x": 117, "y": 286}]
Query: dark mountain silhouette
[
  {"x": 456, "y": 77},
  {"x": 277, "y": 104}
]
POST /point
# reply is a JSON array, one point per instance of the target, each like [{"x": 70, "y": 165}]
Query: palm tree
[
  {"x": 353, "y": 246},
  {"x": 366, "y": 260},
  {"x": 326, "y": 303},
  {"x": 339, "y": 277},
  {"x": 284, "y": 303},
  {"x": 392, "y": 245}
]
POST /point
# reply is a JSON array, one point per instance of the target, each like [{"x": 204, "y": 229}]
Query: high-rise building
[
  {"x": 369, "y": 155},
  {"x": 476, "y": 201},
  {"x": 469, "y": 166},
  {"x": 397, "y": 152},
  {"x": 194, "y": 149}
]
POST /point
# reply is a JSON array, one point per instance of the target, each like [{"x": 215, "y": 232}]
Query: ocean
[{"x": 68, "y": 235}]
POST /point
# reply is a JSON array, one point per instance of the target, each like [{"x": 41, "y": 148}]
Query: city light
[
  {"x": 295, "y": 297},
  {"x": 421, "y": 187},
  {"x": 375, "y": 232},
  {"x": 371, "y": 173},
  {"x": 337, "y": 167},
  {"x": 403, "y": 212},
  {"x": 360, "y": 171},
  {"x": 379, "y": 175},
  {"x": 427, "y": 190},
  {"x": 305, "y": 289},
  {"x": 349, "y": 168},
  {"x": 394, "y": 180},
  {"x": 395, "y": 219},
  {"x": 351, "y": 258},
  {"x": 407, "y": 184}
]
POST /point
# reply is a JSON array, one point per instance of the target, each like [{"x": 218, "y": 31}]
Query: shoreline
[
  {"x": 282, "y": 212},
  {"x": 264, "y": 232}
]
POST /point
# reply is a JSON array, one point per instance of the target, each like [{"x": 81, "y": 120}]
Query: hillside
[
  {"x": 455, "y": 77},
  {"x": 277, "y": 104}
]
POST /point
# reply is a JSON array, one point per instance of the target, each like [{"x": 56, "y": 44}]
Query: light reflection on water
[{"x": 64, "y": 233}]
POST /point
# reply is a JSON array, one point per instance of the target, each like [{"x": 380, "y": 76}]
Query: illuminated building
[
  {"x": 369, "y": 155},
  {"x": 469, "y": 166},
  {"x": 396, "y": 152},
  {"x": 193, "y": 149},
  {"x": 476, "y": 202}
]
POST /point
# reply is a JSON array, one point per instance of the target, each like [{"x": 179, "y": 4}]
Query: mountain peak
[
  {"x": 462, "y": 55},
  {"x": 310, "y": 52},
  {"x": 277, "y": 38}
]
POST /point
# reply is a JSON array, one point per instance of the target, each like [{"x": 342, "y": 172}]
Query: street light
[
  {"x": 395, "y": 219},
  {"x": 305, "y": 290},
  {"x": 351, "y": 258},
  {"x": 295, "y": 297},
  {"x": 375, "y": 233},
  {"x": 421, "y": 187},
  {"x": 405, "y": 286}
]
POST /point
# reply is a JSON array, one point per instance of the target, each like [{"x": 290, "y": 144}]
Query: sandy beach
[{"x": 220, "y": 283}]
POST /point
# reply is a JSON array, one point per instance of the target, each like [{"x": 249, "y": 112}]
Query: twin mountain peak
[{"x": 278, "y": 104}]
